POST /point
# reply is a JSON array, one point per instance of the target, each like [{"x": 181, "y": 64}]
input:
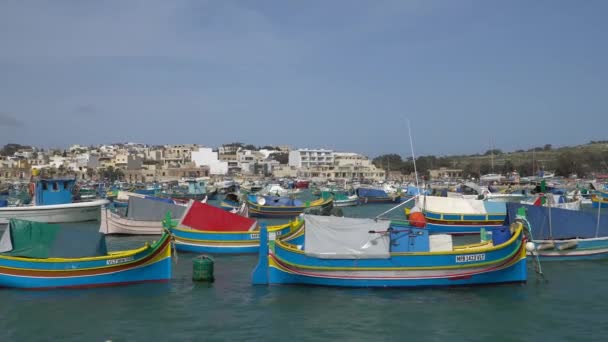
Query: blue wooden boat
[
  {"x": 207, "y": 229},
  {"x": 599, "y": 199},
  {"x": 367, "y": 253},
  {"x": 447, "y": 215},
  {"x": 373, "y": 195},
  {"x": 39, "y": 255},
  {"x": 230, "y": 202},
  {"x": 561, "y": 234},
  {"x": 272, "y": 206}
]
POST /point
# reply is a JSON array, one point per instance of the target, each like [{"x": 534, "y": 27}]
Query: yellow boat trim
[
  {"x": 159, "y": 257},
  {"x": 497, "y": 261},
  {"x": 111, "y": 255},
  {"x": 469, "y": 248}
]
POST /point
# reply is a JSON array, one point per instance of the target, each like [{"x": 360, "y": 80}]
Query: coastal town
[{"x": 140, "y": 163}]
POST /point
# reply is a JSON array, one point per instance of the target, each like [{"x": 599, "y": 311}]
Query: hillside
[{"x": 582, "y": 160}]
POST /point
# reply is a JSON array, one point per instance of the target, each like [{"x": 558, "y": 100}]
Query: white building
[
  {"x": 311, "y": 158},
  {"x": 206, "y": 157}
]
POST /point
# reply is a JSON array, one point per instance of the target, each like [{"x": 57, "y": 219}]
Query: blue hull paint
[
  {"x": 456, "y": 229},
  {"x": 160, "y": 271},
  {"x": 514, "y": 274}
]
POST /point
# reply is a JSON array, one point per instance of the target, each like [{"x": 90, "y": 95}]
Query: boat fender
[
  {"x": 31, "y": 188},
  {"x": 530, "y": 247}
]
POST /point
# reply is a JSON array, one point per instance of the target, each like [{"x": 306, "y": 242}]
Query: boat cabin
[{"x": 54, "y": 191}]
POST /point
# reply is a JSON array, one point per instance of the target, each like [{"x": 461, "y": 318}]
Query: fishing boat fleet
[{"x": 43, "y": 246}]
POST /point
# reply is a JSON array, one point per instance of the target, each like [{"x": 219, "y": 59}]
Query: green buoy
[{"x": 202, "y": 268}]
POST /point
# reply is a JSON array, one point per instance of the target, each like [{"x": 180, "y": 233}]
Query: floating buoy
[{"x": 202, "y": 268}]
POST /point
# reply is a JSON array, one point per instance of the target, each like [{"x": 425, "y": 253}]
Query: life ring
[{"x": 31, "y": 188}]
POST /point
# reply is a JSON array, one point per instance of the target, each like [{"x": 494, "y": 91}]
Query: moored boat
[
  {"x": 599, "y": 200},
  {"x": 341, "y": 198},
  {"x": 37, "y": 255},
  {"x": 373, "y": 195},
  {"x": 366, "y": 253},
  {"x": 561, "y": 234},
  {"x": 207, "y": 229},
  {"x": 231, "y": 202},
  {"x": 270, "y": 206},
  {"x": 143, "y": 217},
  {"x": 460, "y": 216},
  {"x": 53, "y": 204}
]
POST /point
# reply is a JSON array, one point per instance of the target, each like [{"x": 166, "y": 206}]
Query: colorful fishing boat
[
  {"x": 39, "y": 255},
  {"x": 53, "y": 204},
  {"x": 366, "y": 253},
  {"x": 207, "y": 229},
  {"x": 271, "y": 206},
  {"x": 447, "y": 215},
  {"x": 375, "y": 195},
  {"x": 231, "y": 202},
  {"x": 341, "y": 198},
  {"x": 196, "y": 190},
  {"x": 598, "y": 200},
  {"x": 561, "y": 234},
  {"x": 143, "y": 216}
]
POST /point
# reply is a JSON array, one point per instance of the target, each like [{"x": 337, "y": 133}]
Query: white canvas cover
[
  {"x": 330, "y": 237},
  {"x": 448, "y": 205}
]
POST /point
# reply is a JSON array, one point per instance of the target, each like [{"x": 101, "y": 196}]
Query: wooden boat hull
[
  {"x": 229, "y": 205},
  {"x": 256, "y": 210},
  {"x": 58, "y": 213},
  {"x": 215, "y": 242},
  {"x": 147, "y": 264},
  {"x": 573, "y": 249},
  {"x": 379, "y": 200},
  {"x": 462, "y": 223},
  {"x": 112, "y": 223},
  {"x": 346, "y": 203},
  {"x": 283, "y": 263}
]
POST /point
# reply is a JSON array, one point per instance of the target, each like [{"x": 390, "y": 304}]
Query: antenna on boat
[
  {"x": 599, "y": 209},
  {"x": 409, "y": 130}
]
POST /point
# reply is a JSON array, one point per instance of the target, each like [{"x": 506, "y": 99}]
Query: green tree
[{"x": 282, "y": 158}]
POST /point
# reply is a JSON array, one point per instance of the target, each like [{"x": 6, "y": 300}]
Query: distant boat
[
  {"x": 231, "y": 202},
  {"x": 447, "y": 215},
  {"x": 207, "y": 229},
  {"x": 600, "y": 199},
  {"x": 341, "y": 198},
  {"x": 195, "y": 190},
  {"x": 143, "y": 217},
  {"x": 36, "y": 255},
  {"x": 53, "y": 204},
  {"x": 369, "y": 195},
  {"x": 272, "y": 206},
  {"x": 350, "y": 252},
  {"x": 491, "y": 178}
]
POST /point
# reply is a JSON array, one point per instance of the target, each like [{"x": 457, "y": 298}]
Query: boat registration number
[
  {"x": 254, "y": 236},
  {"x": 470, "y": 257},
  {"x": 119, "y": 261}
]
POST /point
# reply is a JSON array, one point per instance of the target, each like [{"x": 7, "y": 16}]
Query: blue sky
[{"x": 335, "y": 74}]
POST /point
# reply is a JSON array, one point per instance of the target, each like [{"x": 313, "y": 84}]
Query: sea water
[{"x": 569, "y": 304}]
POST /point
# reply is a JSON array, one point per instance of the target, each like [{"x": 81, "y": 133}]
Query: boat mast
[
  {"x": 492, "y": 155},
  {"x": 409, "y": 130},
  {"x": 599, "y": 209}
]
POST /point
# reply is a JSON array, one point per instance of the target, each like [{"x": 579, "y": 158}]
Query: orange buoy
[{"x": 417, "y": 220}]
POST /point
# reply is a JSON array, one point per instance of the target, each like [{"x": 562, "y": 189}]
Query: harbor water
[{"x": 569, "y": 304}]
